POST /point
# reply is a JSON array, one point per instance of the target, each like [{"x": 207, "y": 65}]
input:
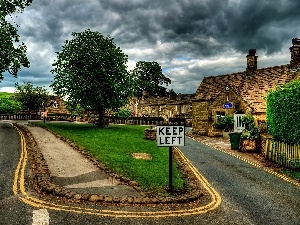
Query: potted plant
[
  {"x": 226, "y": 124},
  {"x": 250, "y": 136}
]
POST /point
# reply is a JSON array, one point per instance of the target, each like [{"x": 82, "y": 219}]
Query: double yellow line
[{"x": 19, "y": 189}]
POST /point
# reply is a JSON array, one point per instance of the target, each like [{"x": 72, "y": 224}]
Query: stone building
[
  {"x": 241, "y": 93},
  {"x": 172, "y": 106},
  {"x": 57, "y": 107}
]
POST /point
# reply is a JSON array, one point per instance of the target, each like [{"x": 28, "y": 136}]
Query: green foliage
[
  {"x": 149, "y": 78},
  {"x": 12, "y": 56},
  {"x": 123, "y": 113},
  {"x": 251, "y": 131},
  {"x": 74, "y": 110},
  {"x": 294, "y": 174},
  {"x": 247, "y": 119},
  {"x": 8, "y": 105},
  {"x": 226, "y": 123},
  {"x": 91, "y": 71},
  {"x": 283, "y": 110},
  {"x": 31, "y": 98}
]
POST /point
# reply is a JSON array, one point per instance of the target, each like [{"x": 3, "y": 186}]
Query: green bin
[{"x": 235, "y": 140}]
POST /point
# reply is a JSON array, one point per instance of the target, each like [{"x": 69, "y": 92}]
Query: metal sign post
[
  {"x": 170, "y": 136},
  {"x": 170, "y": 168}
]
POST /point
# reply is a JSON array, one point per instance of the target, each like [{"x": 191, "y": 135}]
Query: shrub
[
  {"x": 226, "y": 123},
  {"x": 123, "y": 113},
  {"x": 283, "y": 110}
]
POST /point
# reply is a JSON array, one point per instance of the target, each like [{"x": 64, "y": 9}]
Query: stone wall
[{"x": 200, "y": 117}]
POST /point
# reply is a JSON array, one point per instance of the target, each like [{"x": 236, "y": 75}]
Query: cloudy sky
[{"x": 190, "y": 39}]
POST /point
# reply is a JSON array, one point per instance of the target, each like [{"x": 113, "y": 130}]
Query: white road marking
[{"x": 40, "y": 217}]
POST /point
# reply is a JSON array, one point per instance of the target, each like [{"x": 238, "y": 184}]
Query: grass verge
[
  {"x": 294, "y": 174},
  {"x": 114, "y": 146}
]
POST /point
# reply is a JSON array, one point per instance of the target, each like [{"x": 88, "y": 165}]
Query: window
[
  {"x": 55, "y": 104},
  {"x": 219, "y": 115}
]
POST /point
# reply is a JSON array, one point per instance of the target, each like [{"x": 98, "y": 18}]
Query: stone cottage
[
  {"x": 57, "y": 108},
  {"x": 171, "y": 106},
  {"x": 241, "y": 93}
]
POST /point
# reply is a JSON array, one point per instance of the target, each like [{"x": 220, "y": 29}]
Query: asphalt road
[
  {"x": 12, "y": 211},
  {"x": 260, "y": 197},
  {"x": 249, "y": 194}
]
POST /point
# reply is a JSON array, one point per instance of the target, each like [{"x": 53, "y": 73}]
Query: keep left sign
[{"x": 170, "y": 135}]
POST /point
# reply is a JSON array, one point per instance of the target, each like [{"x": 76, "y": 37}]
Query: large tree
[
  {"x": 149, "y": 78},
  {"x": 91, "y": 71},
  {"x": 32, "y": 98},
  {"x": 12, "y": 56}
]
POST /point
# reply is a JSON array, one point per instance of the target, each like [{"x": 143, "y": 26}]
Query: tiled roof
[{"x": 252, "y": 90}]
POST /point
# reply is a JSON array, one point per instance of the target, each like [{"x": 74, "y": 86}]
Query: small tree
[
  {"x": 283, "y": 110},
  {"x": 31, "y": 98},
  {"x": 91, "y": 71},
  {"x": 12, "y": 56},
  {"x": 149, "y": 78}
]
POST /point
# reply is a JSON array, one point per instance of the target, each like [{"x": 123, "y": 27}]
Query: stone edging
[{"x": 42, "y": 182}]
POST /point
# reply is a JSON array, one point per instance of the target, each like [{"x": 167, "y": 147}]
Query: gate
[{"x": 238, "y": 125}]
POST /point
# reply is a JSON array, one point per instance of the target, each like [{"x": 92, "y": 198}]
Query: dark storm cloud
[
  {"x": 190, "y": 39},
  {"x": 262, "y": 24}
]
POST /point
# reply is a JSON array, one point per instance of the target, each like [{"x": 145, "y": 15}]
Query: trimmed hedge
[{"x": 283, "y": 113}]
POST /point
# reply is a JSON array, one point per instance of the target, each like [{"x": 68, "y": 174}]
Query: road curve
[{"x": 259, "y": 196}]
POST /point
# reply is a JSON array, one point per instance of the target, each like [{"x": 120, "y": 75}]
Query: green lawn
[{"x": 113, "y": 146}]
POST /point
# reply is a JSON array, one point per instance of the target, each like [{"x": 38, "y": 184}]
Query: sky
[{"x": 190, "y": 39}]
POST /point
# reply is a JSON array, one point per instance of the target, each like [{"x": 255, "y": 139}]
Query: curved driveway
[{"x": 247, "y": 191}]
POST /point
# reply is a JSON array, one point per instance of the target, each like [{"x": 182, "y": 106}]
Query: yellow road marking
[
  {"x": 281, "y": 176},
  {"x": 19, "y": 186}
]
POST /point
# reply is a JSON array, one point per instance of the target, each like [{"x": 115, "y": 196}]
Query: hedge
[{"x": 283, "y": 113}]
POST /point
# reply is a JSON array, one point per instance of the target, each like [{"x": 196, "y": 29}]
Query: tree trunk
[{"x": 101, "y": 122}]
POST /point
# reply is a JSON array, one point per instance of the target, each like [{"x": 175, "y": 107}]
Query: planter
[
  {"x": 226, "y": 135},
  {"x": 249, "y": 145},
  {"x": 150, "y": 134}
]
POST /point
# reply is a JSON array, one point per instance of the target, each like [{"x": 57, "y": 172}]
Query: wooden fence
[
  {"x": 283, "y": 154},
  {"x": 136, "y": 120},
  {"x": 22, "y": 116}
]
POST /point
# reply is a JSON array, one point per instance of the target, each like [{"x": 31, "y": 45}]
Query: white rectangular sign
[{"x": 170, "y": 135}]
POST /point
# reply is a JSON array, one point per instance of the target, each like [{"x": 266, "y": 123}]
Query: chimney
[
  {"x": 251, "y": 62},
  {"x": 295, "y": 53}
]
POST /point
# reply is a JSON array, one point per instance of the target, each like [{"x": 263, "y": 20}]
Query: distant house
[
  {"x": 171, "y": 106},
  {"x": 241, "y": 93},
  {"x": 57, "y": 108}
]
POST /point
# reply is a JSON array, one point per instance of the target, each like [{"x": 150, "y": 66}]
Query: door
[{"x": 238, "y": 125}]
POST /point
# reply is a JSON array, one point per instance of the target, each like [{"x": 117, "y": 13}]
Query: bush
[
  {"x": 123, "y": 113},
  {"x": 283, "y": 110},
  {"x": 226, "y": 123}
]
